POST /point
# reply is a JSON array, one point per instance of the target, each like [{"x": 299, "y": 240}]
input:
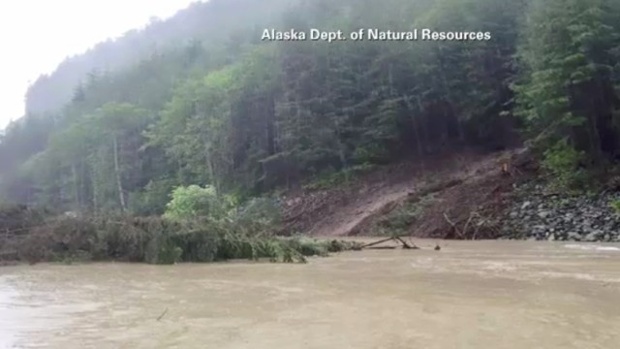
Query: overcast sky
[{"x": 36, "y": 35}]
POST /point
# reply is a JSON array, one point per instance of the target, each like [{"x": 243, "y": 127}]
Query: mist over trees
[{"x": 200, "y": 100}]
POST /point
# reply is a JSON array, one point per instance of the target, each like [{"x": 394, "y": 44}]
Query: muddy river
[{"x": 495, "y": 294}]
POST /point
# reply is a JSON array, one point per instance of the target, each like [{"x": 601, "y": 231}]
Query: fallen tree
[{"x": 397, "y": 239}]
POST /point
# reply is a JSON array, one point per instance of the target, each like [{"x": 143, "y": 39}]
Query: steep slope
[{"x": 461, "y": 188}]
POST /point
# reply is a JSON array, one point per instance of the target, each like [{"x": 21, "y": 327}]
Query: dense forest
[{"x": 199, "y": 99}]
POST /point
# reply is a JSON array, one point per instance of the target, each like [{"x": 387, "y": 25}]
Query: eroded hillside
[{"x": 457, "y": 195}]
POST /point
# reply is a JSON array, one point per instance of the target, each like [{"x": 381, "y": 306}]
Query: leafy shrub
[
  {"x": 563, "y": 161},
  {"x": 615, "y": 205},
  {"x": 193, "y": 202}
]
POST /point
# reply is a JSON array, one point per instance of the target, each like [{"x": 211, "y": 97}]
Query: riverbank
[
  {"x": 153, "y": 240},
  {"x": 459, "y": 197},
  {"x": 539, "y": 213}
]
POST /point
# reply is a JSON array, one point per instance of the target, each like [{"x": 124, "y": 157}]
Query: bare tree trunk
[
  {"x": 117, "y": 172},
  {"x": 451, "y": 104}
]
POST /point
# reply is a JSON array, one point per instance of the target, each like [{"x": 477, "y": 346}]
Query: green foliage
[
  {"x": 162, "y": 250},
  {"x": 211, "y": 103},
  {"x": 195, "y": 202},
  {"x": 261, "y": 215},
  {"x": 567, "y": 52},
  {"x": 615, "y": 205},
  {"x": 154, "y": 241},
  {"x": 563, "y": 162},
  {"x": 331, "y": 179},
  {"x": 308, "y": 247},
  {"x": 16, "y": 218},
  {"x": 153, "y": 199}
]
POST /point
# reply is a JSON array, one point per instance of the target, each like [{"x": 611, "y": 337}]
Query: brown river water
[{"x": 495, "y": 294}]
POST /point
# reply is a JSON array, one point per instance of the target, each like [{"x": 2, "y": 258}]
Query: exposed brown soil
[
  {"x": 473, "y": 208},
  {"x": 470, "y": 192}
]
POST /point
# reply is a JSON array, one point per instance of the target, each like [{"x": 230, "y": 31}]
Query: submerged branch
[{"x": 162, "y": 314}]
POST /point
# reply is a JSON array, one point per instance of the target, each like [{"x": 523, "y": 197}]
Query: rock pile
[{"x": 539, "y": 216}]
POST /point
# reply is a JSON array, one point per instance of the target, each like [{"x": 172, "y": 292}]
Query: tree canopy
[{"x": 201, "y": 100}]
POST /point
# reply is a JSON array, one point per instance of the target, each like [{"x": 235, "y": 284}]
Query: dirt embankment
[{"x": 459, "y": 195}]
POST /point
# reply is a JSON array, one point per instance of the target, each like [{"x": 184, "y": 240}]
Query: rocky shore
[{"x": 537, "y": 214}]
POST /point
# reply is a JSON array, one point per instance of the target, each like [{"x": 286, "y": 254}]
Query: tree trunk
[
  {"x": 214, "y": 179},
  {"x": 95, "y": 184},
  {"x": 271, "y": 141},
  {"x": 595, "y": 139},
  {"x": 416, "y": 128},
  {"x": 423, "y": 124},
  {"x": 450, "y": 99},
  {"x": 76, "y": 186},
  {"x": 117, "y": 172}
]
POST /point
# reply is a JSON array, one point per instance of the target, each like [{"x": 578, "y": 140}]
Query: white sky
[{"x": 36, "y": 35}]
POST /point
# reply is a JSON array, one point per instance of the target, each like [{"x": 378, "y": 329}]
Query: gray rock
[
  {"x": 562, "y": 217},
  {"x": 591, "y": 237}
]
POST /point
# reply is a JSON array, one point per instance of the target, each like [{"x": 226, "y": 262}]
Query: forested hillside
[
  {"x": 200, "y": 99},
  {"x": 215, "y": 23}
]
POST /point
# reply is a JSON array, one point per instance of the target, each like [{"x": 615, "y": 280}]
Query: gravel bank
[{"x": 539, "y": 215}]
